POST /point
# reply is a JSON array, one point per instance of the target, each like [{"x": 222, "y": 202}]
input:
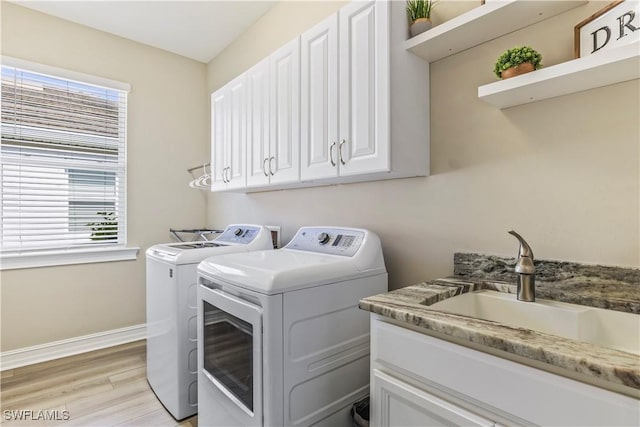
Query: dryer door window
[
  {"x": 230, "y": 348},
  {"x": 228, "y": 352}
]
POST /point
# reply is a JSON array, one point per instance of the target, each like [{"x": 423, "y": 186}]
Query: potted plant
[
  {"x": 516, "y": 61},
  {"x": 419, "y": 12}
]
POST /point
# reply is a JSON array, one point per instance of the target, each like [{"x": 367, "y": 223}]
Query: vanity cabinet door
[{"x": 400, "y": 404}]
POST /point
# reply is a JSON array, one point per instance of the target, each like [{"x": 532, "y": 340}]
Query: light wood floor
[{"x": 101, "y": 388}]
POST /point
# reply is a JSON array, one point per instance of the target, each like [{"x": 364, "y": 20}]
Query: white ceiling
[{"x": 195, "y": 29}]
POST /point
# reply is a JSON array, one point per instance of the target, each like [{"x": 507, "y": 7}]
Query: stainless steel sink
[{"x": 607, "y": 328}]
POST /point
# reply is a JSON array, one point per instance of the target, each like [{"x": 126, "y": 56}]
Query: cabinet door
[
  {"x": 319, "y": 101},
  {"x": 219, "y": 114},
  {"x": 285, "y": 113},
  {"x": 396, "y": 403},
  {"x": 237, "y": 137},
  {"x": 364, "y": 88},
  {"x": 258, "y": 124}
]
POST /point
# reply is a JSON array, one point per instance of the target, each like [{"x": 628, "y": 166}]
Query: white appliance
[
  {"x": 281, "y": 341},
  {"x": 171, "y": 311}
]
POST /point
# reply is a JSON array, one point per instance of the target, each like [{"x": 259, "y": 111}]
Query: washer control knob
[
  {"x": 323, "y": 238},
  {"x": 238, "y": 231}
]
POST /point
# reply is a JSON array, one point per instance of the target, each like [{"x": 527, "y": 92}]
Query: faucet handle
[
  {"x": 525, "y": 249},
  {"x": 526, "y": 285}
]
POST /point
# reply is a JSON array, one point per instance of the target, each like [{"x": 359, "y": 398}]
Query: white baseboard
[{"x": 57, "y": 349}]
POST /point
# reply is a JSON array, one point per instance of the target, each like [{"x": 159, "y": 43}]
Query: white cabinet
[
  {"x": 400, "y": 404},
  {"x": 219, "y": 130},
  {"x": 417, "y": 378},
  {"x": 345, "y": 103},
  {"x": 273, "y": 122},
  {"x": 364, "y": 144},
  {"x": 255, "y": 124},
  {"x": 228, "y": 135},
  {"x": 284, "y": 144},
  {"x": 361, "y": 118},
  {"x": 319, "y": 101},
  {"x": 258, "y": 136}
]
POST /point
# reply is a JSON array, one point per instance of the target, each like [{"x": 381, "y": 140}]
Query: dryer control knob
[
  {"x": 323, "y": 238},
  {"x": 238, "y": 231}
]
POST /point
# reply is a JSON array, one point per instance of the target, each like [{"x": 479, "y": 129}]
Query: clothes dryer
[
  {"x": 171, "y": 311},
  {"x": 281, "y": 340}
]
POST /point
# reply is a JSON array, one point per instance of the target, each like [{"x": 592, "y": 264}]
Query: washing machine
[
  {"x": 281, "y": 341},
  {"x": 171, "y": 311}
]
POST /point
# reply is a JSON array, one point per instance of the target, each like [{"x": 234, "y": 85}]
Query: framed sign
[{"x": 617, "y": 23}]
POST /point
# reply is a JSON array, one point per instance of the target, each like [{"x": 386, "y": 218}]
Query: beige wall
[
  {"x": 167, "y": 133},
  {"x": 563, "y": 172}
]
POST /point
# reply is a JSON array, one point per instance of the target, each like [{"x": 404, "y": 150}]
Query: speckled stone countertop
[{"x": 613, "y": 288}]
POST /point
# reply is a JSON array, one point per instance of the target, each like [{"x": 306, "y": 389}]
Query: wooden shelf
[
  {"x": 616, "y": 65},
  {"x": 484, "y": 23}
]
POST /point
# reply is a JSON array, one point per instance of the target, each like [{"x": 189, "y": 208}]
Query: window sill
[{"x": 66, "y": 257}]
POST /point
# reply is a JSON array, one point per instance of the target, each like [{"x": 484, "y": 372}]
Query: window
[{"x": 63, "y": 160}]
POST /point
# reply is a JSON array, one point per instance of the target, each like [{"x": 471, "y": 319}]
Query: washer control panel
[
  {"x": 242, "y": 234},
  {"x": 334, "y": 241}
]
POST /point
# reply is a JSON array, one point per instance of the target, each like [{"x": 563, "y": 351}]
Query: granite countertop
[{"x": 611, "y": 288}]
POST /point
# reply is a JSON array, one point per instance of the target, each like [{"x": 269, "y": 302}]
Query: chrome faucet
[{"x": 526, "y": 290}]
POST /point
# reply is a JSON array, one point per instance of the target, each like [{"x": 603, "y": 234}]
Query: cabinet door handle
[
  {"x": 224, "y": 171},
  {"x": 228, "y": 174},
  {"x": 331, "y": 147},
  {"x": 264, "y": 166},
  {"x": 342, "y": 142},
  {"x": 270, "y": 168}
]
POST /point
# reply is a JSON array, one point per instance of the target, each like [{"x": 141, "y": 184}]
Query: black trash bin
[{"x": 360, "y": 413}]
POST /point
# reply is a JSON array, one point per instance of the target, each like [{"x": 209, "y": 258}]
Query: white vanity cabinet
[
  {"x": 420, "y": 380},
  {"x": 401, "y": 404},
  {"x": 364, "y": 99},
  {"x": 228, "y": 135}
]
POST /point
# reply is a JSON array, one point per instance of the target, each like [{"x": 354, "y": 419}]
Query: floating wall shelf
[
  {"x": 616, "y": 65},
  {"x": 484, "y": 23}
]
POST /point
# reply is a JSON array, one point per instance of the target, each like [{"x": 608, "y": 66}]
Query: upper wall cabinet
[
  {"x": 273, "y": 118},
  {"x": 284, "y": 151},
  {"x": 338, "y": 110},
  {"x": 361, "y": 118},
  {"x": 258, "y": 136},
  {"x": 345, "y": 108},
  {"x": 228, "y": 135},
  {"x": 364, "y": 88},
  {"x": 319, "y": 101}
]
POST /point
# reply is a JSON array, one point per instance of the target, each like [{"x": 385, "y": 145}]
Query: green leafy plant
[
  {"x": 419, "y": 8},
  {"x": 104, "y": 230},
  {"x": 516, "y": 56}
]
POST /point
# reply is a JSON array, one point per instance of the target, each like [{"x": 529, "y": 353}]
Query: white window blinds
[{"x": 63, "y": 159}]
